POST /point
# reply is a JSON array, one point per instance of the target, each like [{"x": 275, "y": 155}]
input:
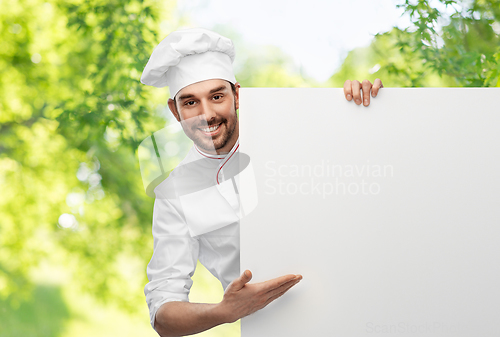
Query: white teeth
[{"x": 211, "y": 129}]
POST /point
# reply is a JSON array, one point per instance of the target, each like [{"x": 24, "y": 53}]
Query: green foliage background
[{"x": 72, "y": 113}]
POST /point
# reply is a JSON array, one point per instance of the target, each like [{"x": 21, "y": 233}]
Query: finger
[
  {"x": 377, "y": 84},
  {"x": 348, "y": 90},
  {"x": 284, "y": 287},
  {"x": 275, "y": 283},
  {"x": 279, "y": 281},
  {"x": 356, "y": 92},
  {"x": 242, "y": 280},
  {"x": 367, "y": 87},
  {"x": 279, "y": 294}
]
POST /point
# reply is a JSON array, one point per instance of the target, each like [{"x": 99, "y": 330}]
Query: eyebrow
[
  {"x": 186, "y": 96},
  {"x": 221, "y": 88}
]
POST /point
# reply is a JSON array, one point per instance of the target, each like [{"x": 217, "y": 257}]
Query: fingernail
[
  {"x": 349, "y": 97},
  {"x": 358, "y": 101},
  {"x": 366, "y": 101}
]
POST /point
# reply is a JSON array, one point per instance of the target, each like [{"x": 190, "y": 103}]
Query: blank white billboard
[{"x": 391, "y": 213}]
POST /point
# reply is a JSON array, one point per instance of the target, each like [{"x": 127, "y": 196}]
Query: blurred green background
[{"x": 75, "y": 223}]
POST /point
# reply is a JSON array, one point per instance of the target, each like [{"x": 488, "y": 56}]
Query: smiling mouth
[{"x": 211, "y": 131}]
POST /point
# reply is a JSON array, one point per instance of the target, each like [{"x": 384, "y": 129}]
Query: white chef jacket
[{"x": 193, "y": 225}]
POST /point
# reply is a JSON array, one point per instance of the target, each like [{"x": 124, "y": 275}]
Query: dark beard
[{"x": 220, "y": 142}]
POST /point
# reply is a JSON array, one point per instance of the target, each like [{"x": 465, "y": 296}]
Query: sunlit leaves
[
  {"x": 465, "y": 47},
  {"x": 70, "y": 97}
]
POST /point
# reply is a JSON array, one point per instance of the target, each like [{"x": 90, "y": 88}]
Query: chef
[{"x": 197, "y": 208}]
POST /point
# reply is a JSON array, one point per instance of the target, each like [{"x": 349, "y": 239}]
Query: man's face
[{"x": 207, "y": 112}]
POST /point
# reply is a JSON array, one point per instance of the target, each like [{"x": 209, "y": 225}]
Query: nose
[{"x": 208, "y": 111}]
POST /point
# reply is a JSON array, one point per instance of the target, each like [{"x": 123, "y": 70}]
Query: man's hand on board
[
  {"x": 242, "y": 298},
  {"x": 353, "y": 89}
]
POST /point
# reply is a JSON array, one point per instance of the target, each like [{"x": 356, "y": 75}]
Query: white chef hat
[{"x": 189, "y": 56}]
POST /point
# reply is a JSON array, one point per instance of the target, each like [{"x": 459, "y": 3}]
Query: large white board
[{"x": 391, "y": 213}]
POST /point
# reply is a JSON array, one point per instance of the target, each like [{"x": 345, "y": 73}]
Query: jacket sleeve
[{"x": 174, "y": 258}]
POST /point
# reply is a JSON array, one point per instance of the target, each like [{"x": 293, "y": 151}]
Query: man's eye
[
  {"x": 216, "y": 97},
  {"x": 189, "y": 103}
]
